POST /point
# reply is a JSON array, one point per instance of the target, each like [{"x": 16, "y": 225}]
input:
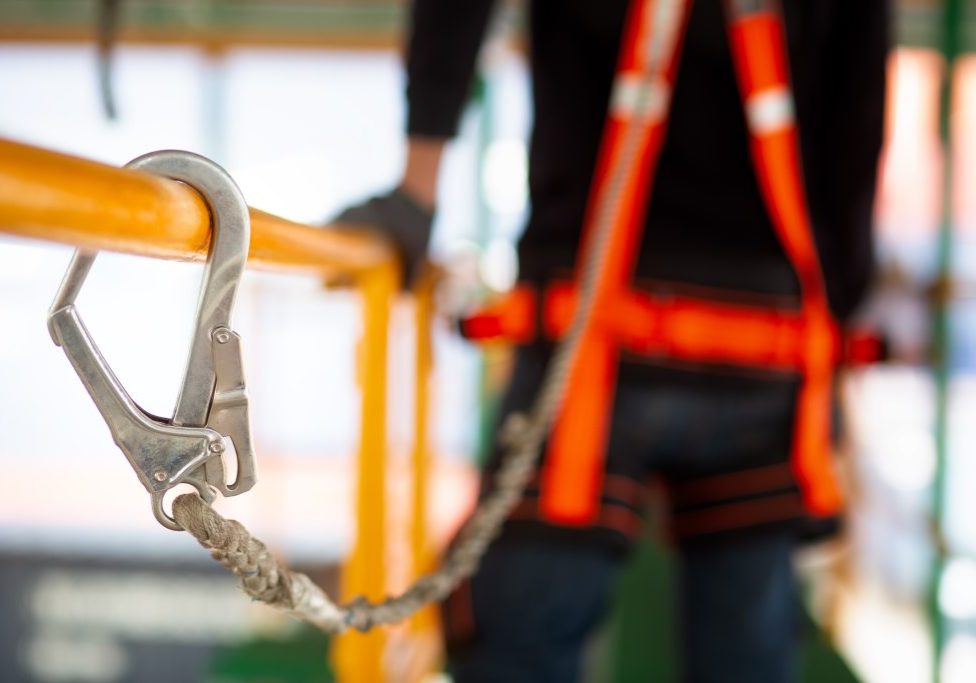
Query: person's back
[
  {"x": 721, "y": 435},
  {"x": 706, "y": 224}
]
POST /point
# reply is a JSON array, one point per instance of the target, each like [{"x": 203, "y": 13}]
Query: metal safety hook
[{"x": 212, "y": 403}]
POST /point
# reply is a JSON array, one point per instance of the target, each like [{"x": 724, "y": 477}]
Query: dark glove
[{"x": 405, "y": 222}]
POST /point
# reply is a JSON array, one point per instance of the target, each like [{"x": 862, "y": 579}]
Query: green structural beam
[
  {"x": 922, "y": 24},
  {"x": 919, "y": 22},
  {"x": 306, "y": 21},
  {"x": 953, "y": 23}
]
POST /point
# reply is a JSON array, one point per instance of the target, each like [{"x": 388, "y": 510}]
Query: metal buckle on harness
[{"x": 212, "y": 403}]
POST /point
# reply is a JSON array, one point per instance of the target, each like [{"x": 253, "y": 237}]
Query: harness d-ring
[{"x": 212, "y": 402}]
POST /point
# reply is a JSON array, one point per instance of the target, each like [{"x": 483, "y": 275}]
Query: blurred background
[{"x": 301, "y": 100}]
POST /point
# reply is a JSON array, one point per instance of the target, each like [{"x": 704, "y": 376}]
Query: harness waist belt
[{"x": 673, "y": 327}]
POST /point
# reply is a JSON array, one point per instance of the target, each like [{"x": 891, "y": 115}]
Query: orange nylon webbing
[
  {"x": 572, "y": 473},
  {"x": 758, "y": 43},
  {"x": 686, "y": 328}
]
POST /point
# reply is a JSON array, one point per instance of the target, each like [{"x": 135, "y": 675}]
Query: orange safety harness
[{"x": 804, "y": 341}]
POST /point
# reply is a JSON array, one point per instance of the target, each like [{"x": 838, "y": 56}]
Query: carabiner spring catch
[{"x": 212, "y": 403}]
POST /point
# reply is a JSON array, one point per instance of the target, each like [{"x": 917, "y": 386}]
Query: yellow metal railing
[{"x": 60, "y": 198}]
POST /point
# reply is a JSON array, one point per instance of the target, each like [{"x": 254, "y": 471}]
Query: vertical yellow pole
[
  {"x": 424, "y": 625},
  {"x": 358, "y": 657}
]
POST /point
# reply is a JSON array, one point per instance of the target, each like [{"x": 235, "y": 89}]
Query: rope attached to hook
[{"x": 263, "y": 578}]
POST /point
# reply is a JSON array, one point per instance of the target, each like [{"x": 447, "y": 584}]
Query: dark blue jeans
[
  {"x": 539, "y": 594},
  {"x": 534, "y": 605}
]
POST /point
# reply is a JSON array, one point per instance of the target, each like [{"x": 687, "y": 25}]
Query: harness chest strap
[{"x": 806, "y": 341}]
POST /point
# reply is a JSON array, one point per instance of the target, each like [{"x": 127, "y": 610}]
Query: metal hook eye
[{"x": 158, "y": 503}]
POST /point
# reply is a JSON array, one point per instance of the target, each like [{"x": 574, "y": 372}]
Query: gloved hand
[{"x": 400, "y": 218}]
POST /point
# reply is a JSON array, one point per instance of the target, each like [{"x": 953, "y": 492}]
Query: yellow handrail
[
  {"x": 359, "y": 656},
  {"x": 425, "y": 625},
  {"x": 62, "y": 198}
]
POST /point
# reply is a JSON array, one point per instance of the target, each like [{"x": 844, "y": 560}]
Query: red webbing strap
[
  {"x": 674, "y": 326},
  {"x": 689, "y": 329},
  {"x": 758, "y": 41},
  {"x": 572, "y": 474},
  {"x": 511, "y": 319}
]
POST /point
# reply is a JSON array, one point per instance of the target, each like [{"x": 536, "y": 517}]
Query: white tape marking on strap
[
  {"x": 635, "y": 96},
  {"x": 770, "y": 111}
]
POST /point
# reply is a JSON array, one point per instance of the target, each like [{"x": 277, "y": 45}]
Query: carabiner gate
[{"x": 212, "y": 403}]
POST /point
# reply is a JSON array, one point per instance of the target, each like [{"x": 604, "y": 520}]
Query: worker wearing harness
[{"x": 749, "y": 136}]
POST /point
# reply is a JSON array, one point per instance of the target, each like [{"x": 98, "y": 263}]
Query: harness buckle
[{"x": 212, "y": 405}]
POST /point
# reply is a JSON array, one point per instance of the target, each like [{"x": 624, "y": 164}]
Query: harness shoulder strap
[
  {"x": 572, "y": 474},
  {"x": 758, "y": 42}
]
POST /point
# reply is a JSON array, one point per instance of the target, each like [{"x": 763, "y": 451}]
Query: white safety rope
[{"x": 263, "y": 578}]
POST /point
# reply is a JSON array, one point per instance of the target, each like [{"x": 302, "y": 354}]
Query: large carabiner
[{"x": 212, "y": 403}]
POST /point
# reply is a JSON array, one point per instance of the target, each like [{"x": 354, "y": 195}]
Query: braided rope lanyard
[{"x": 265, "y": 579}]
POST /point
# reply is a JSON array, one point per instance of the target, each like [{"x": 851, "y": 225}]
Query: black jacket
[{"x": 706, "y": 223}]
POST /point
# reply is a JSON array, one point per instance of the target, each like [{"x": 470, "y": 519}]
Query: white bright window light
[
  {"x": 957, "y": 590},
  {"x": 505, "y": 181},
  {"x": 958, "y": 663},
  {"x": 906, "y": 458}
]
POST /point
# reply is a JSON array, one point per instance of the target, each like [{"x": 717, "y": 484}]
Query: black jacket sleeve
[
  {"x": 856, "y": 76},
  {"x": 445, "y": 38}
]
